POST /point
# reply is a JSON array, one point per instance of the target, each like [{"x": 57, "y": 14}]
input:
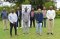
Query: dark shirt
[
  {"x": 39, "y": 17},
  {"x": 4, "y": 15}
]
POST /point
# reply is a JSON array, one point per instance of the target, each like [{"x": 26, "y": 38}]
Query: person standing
[
  {"x": 26, "y": 18},
  {"x": 44, "y": 11},
  {"x": 50, "y": 17},
  {"x": 4, "y": 15},
  {"x": 13, "y": 19},
  {"x": 19, "y": 15},
  {"x": 32, "y": 18},
  {"x": 39, "y": 20}
]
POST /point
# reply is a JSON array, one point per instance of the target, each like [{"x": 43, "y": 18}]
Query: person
[
  {"x": 13, "y": 19},
  {"x": 26, "y": 18},
  {"x": 19, "y": 15},
  {"x": 44, "y": 11},
  {"x": 4, "y": 15},
  {"x": 50, "y": 18},
  {"x": 39, "y": 20},
  {"x": 32, "y": 18}
]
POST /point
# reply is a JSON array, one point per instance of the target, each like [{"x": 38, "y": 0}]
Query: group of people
[{"x": 38, "y": 19}]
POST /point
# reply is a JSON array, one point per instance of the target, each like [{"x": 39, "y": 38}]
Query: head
[
  {"x": 18, "y": 8},
  {"x": 44, "y": 8},
  {"x": 4, "y": 9},
  {"x": 51, "y": 7},
  {"x": 39, "y": 10},
  {"x": 26, "y": 9},
  {"x": 32, "y": 9},
  {"x": 12, "y": 11}
]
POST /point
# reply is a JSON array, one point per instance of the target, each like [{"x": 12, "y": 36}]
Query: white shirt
[
  {"x": 51, "y": 14},
  {"x": 12, "y": 17}
]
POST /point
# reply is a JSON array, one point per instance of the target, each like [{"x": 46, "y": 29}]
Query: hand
[
  {"x": 14, "y": 22},
  {"x": 50, "y": 19}
]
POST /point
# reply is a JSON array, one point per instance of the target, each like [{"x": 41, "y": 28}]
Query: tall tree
[{"x": 38, "y": 3}]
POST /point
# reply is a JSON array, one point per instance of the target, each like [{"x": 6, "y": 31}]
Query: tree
[{"x": 37, "y": 3}]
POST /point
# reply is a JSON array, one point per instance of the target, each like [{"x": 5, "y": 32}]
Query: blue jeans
[{"x": 39, "y": 27}]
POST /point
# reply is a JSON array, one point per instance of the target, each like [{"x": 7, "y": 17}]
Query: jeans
[{"x": 39, "y": 27}]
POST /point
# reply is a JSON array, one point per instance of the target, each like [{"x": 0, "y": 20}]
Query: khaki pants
[
  {"x": 5, "y": 24},
  {"x": 50, "y": 25}
]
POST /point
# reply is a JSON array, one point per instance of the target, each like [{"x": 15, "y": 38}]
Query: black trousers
[
  {"x": 32, "y": 20},
  {"x": 18, "y": 21},
  {"x": 15, "y": 28}
]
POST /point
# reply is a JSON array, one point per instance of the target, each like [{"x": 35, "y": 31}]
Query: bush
[
  {"x": 48, "y": 4},
  {"x": 57, "y": 14}
]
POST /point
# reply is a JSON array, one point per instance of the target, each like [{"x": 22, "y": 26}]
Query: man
[
  {"x": 44, "y": 11},
  {"x": 13, "y": 19},
  {"x": 32, "y": 17},
  {"x": 4, "y": 18},
  {"x": 19, "y": 15},
  {"x": 39, "y": 20},
  {"x": 25, "y": 18},
  {"x": 50, "y": 17}
]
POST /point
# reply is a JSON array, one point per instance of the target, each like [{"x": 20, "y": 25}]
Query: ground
[{"x": 32, "y": 34}]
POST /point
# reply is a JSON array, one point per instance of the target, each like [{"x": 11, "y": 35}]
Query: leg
[
  {"x": 44, "y": 22},
  {"x": 11, "y": 26},
  {"x": 27, "y": 27},
  {"x": 30, "y": 22},
  {"x": 34, "y": 22},
  {"x": 6, "y": 23},
  {"x": 49, "y": 26},
  {"x": 52, "y": 25},
  {"x": 37, "y": 28},
  {"x": 15, "y": 29},
  {"x": 19, "y": 22},
  {"x": 24, "y": 27},
  {"x": 40, "y": 24}
]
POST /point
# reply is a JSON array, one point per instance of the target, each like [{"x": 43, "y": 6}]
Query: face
[
  {"x": 51, "y": 7},
  {"x": 39, "y": 10},
  {"x": 4, "y": 9},
  {"x": 32, "y": 9},
  {"x": 44, "y": 8},
  {"x": 18, "y": 8},
  {"x": 12, "y": 11}
]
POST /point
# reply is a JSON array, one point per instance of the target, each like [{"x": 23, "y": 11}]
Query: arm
[
  {"x": 9, "y": 17},
  {"x": 16, "y": 18},
  {"x": 54, "y": 14},
  {"x": 47, "y": 15}
]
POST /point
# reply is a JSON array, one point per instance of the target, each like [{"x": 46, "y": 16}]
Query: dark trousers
[
  {"x": 11, "y": 27},
  {"x": 19, "y": 21},
  {"x": 44, "y": 22},
  {"x": 32, "y": 20}
]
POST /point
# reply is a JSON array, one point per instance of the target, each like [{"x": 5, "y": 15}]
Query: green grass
[{"x": 32, "y": 34}]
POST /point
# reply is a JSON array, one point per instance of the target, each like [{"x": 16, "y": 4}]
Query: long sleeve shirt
[
  {"x": 39, "y": 17},
  {"x": 12, "y": 17},
  {"x": 4, "y": 15},
  {"x": 51, "y": 14}
]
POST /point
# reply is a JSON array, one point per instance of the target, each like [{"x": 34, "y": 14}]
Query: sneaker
[{"x": 51, "y": 33}]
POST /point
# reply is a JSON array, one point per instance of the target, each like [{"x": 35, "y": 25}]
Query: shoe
[
  {"x": 47, "y": 33},
  {"x": 51, "y": 33},
  {"x": 17, "y": 27}
]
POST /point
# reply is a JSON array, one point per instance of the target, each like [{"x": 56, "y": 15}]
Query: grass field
[{"x": 32, "y": 34}]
